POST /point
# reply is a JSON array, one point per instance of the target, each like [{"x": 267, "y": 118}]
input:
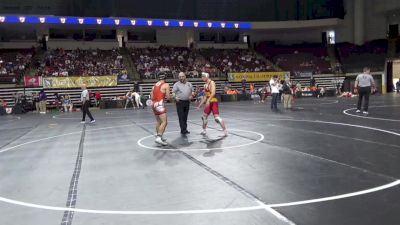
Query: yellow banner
[
  {"x": 74, "y": 82},
  {"x": 256, "y": 76}
]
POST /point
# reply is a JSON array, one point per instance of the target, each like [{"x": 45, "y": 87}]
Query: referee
[
  {"x": 85, "y": 99},
  {"x": 364, "y": 85},
  {"x": 183, "y": 91}
]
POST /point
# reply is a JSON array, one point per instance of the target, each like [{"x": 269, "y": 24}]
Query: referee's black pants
[
  {"x": 85, "y": 110},
  {"x": 182, "y": 107},
  {"x": 363, "y": 92}
]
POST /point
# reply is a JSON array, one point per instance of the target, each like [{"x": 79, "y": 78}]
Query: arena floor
[{"x": 320, "y": 164}]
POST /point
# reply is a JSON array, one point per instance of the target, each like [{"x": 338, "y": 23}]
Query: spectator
[
  {"x": 97, "y": 98},
  {"x": 129, "y": 98},
  {"x": 149, "y": 62},
  {"x": 136, "y": 87},
  {"x": 67, "y": 103},
  {"x": 321, "y": 92},
  {"x": 244, "y": 84},
  {"x": 235, "y": 60},
  {"x": 43, "y": 101},
  {"x": 3, "y": 103},
  {"x": 3, "y": 106},
  {"x": 36, "y": 101},
  {"x": 58, "y": 62},
  {"x": 312, "y": 81},
  {"x": 57, "y": 101},
  {"x": 252, "y": 89},
  {"x": 13, "y": 64},
  {"x": 226, "y": 86},
  {"x": 275, "y": 86},
  {"x": 287, "y": 95}
]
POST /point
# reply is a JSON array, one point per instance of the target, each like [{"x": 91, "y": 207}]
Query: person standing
[
  {"x": 226, "y": 86},
  {"x": 160, "y": 93},
  {"x": 275, "y": 86},
  {"x": 244, "y": 84},
  {"x": 43, "y": 101},
  {"x": 129, "y": 98},
  {"x": 3, "y": 106},
  {"x": 97, "y": 98},
  {"x": 85, "y": 99},
  {"x": 364, "y": 85},
  {"x": 136, "y": 87},
  {"x": 36, "y": 101},
  {"x": 287, "y": 95},
  {"x": 398, "y": 86},
  {"x": 312, "y": 81},
  {"x": 183, "y": 91},
  {"x": 211, "y": 104},
  {"x": 57, "y": 101}
]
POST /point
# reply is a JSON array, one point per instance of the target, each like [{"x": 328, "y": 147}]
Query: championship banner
[
  {"x": 76, "y": 82},
  {"x": 256, "y": 76},
  {"x": 32, "y": 81}
]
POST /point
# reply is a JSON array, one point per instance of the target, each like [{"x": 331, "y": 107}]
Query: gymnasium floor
[{"x": 320, "y": 164}]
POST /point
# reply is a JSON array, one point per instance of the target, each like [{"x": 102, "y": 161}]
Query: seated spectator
[
  {"x": 13, "y": 64},
  {"x": 67, "y": 103},
  {"x": 151, "y": 61},
  {"x": 236, "y": 60},
  {"x": 57, "y": 101},
  {"x": 3, "y": 103},
  {"x": 232, "y": 92},
  {"x": 59, "y": 62}
]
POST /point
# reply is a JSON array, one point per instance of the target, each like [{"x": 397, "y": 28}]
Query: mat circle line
[
  {"x": 262, "y": 206},
  {"x": 346, "y": 112},
  {"x": 261, "y": 137}
]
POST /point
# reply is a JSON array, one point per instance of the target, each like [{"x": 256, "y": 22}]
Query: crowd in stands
[
  {"x": 60, "y": 62},
  {"x": 13, "y": 64},
  {"x": 298, "y": 59},
  {"x": 236, "y": 60},
  {"x": 151, "y": 61}
]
